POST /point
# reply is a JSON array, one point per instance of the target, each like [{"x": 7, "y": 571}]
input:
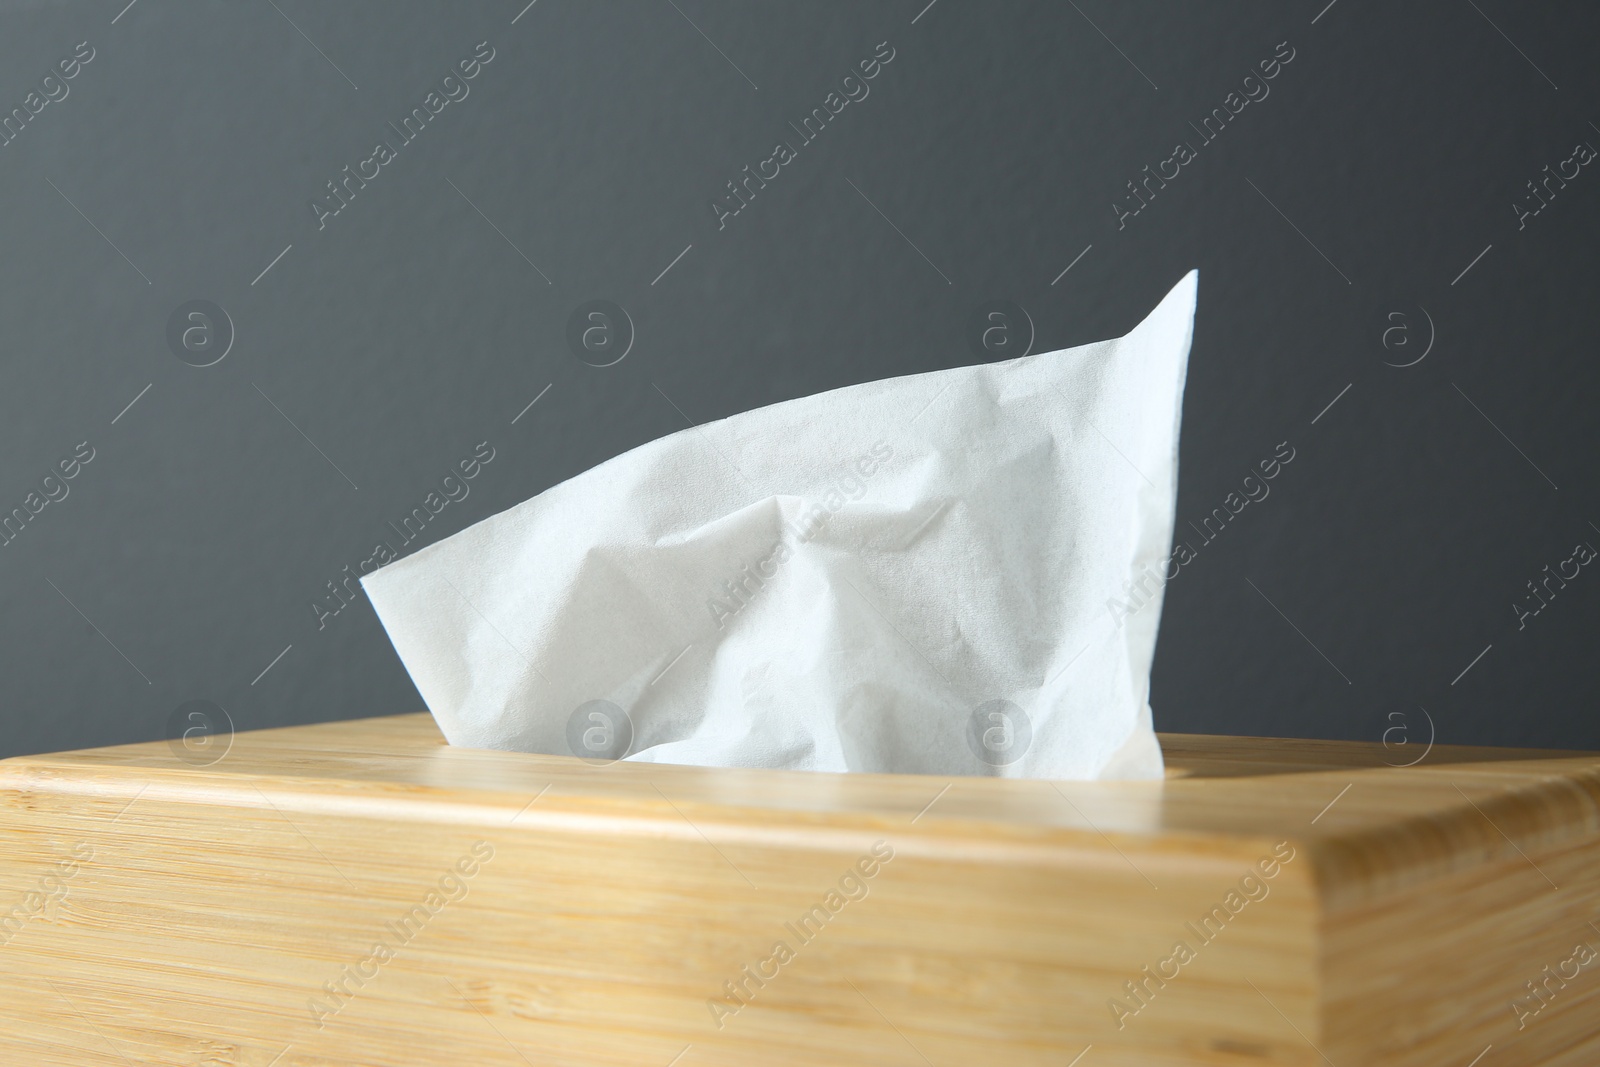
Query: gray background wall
[{"x": 1378, "y": 178}]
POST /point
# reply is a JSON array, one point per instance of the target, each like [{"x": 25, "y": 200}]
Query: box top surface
[{"x": 1361, "y": 816}]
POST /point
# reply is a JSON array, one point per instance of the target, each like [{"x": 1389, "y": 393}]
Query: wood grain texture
[{"x": 166, "y": 913}]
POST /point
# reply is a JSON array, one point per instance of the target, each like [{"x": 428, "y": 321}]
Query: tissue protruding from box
[{"x": 955, "y": 573}]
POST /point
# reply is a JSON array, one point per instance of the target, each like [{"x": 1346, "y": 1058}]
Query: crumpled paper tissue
[{"x": 927, "y": 574}]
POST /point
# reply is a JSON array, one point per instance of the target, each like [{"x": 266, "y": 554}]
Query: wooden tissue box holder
[{"x": 360, "y": 894}]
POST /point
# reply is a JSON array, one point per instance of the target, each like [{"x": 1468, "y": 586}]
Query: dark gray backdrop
[{"x": 1362, "y": 213}]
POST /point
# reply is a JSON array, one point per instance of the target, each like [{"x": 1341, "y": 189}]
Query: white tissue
[{"x": 925, "y": 574}]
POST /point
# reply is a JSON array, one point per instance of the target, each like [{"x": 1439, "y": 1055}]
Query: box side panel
[
  {"x": 1491, "y": 958},
  {"x": 184, "y": 933}
]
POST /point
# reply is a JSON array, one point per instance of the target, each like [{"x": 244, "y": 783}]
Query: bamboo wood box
[{"x": 360, "y": 894}]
